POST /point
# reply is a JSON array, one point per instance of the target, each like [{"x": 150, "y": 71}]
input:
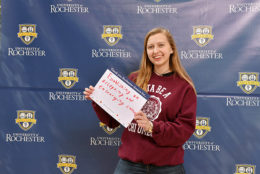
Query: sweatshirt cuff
[{"x": 156, "y": 127}]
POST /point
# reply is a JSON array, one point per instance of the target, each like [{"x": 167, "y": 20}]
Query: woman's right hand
[{"x": 88, "y": 92}]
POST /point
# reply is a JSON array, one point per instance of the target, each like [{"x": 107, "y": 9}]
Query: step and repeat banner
[{"x": 52, "y": 49}]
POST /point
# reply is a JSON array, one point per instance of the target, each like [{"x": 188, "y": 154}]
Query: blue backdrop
[{"x": 51, "y": 50}]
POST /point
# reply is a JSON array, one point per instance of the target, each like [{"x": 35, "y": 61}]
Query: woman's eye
[
  {"x": 161, "y": 45},
  {"x": 149, "y": 47}
]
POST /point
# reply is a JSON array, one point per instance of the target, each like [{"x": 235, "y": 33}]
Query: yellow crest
[
  {"x": 111, "y": 34},
  {"x": 202, "y": 127},
  {"x": 245, "y": 169},
  {"x": 202, "y": 35},
  {"x": 107, "y": 129},
  {"x": 67, "y": 164},
  {"x": 248, "y": 81},
  {"x": 27, "y": 33},
  {"x": 25, "y": 119},
  {"x": 68, "y": 77}
]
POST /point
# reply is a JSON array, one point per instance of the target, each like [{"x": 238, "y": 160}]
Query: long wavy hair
[{"x": 146, "y": 67}]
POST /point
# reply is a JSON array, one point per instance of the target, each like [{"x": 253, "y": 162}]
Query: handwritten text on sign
[{"x": 118, "y": 97}]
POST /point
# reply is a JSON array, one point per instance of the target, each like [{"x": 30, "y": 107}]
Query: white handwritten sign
[{"x": 119, "y": 96}]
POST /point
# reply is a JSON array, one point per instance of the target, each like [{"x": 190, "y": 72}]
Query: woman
[{"x": 152, "y": 143}]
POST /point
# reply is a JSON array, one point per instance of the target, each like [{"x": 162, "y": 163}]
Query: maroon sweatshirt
[{"x": 172, "y": 109}]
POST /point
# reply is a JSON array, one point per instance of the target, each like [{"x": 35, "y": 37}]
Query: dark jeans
[{"x": 127, "y": 167}]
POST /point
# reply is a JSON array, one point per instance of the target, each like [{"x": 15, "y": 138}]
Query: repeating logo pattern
[
  {"x": 245, "y": 169},
  {"x": 248, "y": 81},
  {"x": 107, "y": 129},
  {"x": 67, "y": 164},
  {"x": 25, "y": 119},
  {"x": 68, "y": 77},
  {"x": 112, "y": 34},
  {"x": 202, "y": 127},
  {"x": 202, "y": 35},
  {"x": 27, "y": 33}
]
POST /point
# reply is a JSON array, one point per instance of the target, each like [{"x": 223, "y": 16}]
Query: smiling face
[{"x": 158, "y": 51}]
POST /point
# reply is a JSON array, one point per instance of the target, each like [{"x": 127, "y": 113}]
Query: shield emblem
[
  {"x": 202, "y": 127},
  {"x": 27, "y": 33},
  {"x": 245, "y": 169},
  {"x": 202, "y": 35},
  {"x": 248, "y": 81},
  {"x": 107, "y": 129},
  {"x": 68, "y": 77},
  {"x": 25, "y": 119},
  {"x": 67, "y": 164},
  {"x": 111, "y": 34}
]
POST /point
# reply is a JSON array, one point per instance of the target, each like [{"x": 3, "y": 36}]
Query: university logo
[
  {"x": 202, "y": 35},
  {"x": 27, "y": 33},
  {"x": 25, "y": 119},
  {"x": 152, "y": 108},
  {"x": 68, "y": 77},
  {"x": 202, "y": 127},
  {"x": 248, "y": 81},
  {"x": 245, "y": 169},
  {"x": 67, "y": 164},
  {"x": 111, "y": 34},
  {"x": 107, "y": 129}
]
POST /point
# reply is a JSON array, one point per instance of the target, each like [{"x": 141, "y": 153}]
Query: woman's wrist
[{"x": 150, "y": 129}]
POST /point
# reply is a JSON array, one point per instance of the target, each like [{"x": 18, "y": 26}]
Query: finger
[
  {"x": 90, "y": 88},
  {"x": 138, "y": 117},
  {"x": 142, "y": 122},
  {"x": 87, "y": 97},
  {"x": 139, "y": 113},
  {"x": 144, "y": 126},
  {"x": 88, "y": 92}
]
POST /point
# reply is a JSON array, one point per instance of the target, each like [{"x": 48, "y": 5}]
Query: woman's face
[{"x": 159, "y": 51}]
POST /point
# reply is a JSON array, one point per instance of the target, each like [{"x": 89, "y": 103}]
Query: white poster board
[{"x": 119, "y": 96}]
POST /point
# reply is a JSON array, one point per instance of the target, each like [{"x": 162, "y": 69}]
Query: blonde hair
[{"x": 146, "y": 66}]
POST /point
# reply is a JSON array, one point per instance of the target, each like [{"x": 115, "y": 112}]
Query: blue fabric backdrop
[{"x": 48, "y": 127}]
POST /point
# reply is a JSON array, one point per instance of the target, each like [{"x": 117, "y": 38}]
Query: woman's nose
[{"x": 155, "y": 49}]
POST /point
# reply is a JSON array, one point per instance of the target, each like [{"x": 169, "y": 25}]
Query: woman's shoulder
[
  {"x": 182, "y": 81},
  {"x": 184, "y": 84}
]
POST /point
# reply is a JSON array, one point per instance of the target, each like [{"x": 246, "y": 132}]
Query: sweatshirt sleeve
[
  {"x": 104, "y": 117},
  {"x": 176, "y": 133}
]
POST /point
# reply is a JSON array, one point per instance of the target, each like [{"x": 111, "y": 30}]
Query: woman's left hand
[{"x": 142, "y": 120}]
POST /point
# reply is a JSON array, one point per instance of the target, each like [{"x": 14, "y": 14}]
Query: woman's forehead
[{"x": 159, "y": 37}]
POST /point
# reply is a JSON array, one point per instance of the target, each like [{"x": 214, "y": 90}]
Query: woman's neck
[{"x": 162, "y": 71}]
